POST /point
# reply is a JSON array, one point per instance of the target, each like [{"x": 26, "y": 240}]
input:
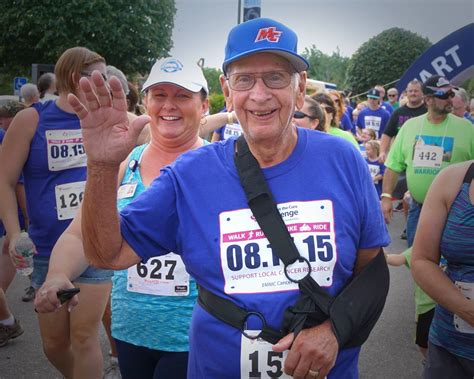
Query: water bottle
[{"x": 25, "y": 247}]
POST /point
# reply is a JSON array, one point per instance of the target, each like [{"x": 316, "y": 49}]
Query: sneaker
[
  {"x": 29, "y": 294},
  {"x": 113, "y": 371},
  {"x": 9, "y": 332}
]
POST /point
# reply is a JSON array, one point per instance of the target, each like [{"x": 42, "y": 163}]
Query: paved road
[{"x": 389, "y": 352}]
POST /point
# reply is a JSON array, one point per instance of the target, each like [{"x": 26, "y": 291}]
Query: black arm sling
[{"x": 314, "y": 304}]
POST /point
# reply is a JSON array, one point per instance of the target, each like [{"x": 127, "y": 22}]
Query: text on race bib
[
  {"x": 231, "y": 130},
  {"x": 373, "y": 122},
  {"x": 428, "y": 156},
  {"x": 65, "y": 149},
  {"x": 162, "y": 276},
  {"x": 246, "y": 253},
  {"x": 68, "y": 199},
  {"x": 258, "y": 360}
]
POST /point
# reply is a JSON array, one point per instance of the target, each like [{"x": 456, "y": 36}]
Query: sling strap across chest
[{"x": 353, "y": 313}]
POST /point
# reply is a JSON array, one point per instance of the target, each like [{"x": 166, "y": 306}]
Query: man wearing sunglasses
[{"x": 424, "y": 146}]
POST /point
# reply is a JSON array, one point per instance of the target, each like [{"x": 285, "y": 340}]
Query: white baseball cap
[{"x": 176, "y": 71}]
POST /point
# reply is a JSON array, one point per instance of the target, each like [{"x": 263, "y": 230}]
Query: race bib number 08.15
[
  {"x": 65, "y": 149},
  {"x": 246, "y": 253}
]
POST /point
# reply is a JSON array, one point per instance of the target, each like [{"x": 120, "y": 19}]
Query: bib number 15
[{"x": 274, "y": 363}]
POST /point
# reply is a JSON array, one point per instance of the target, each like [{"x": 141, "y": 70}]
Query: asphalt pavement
[{"x": 389, "y": 353}]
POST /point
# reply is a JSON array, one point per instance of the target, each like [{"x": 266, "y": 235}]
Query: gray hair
[
  {"x": 114, "y": 71},
  {"x": 28, "y": 92},
  {"x": 462, "y": 94}
]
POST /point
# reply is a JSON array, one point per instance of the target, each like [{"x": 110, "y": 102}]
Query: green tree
[
  {"x": 212, "y": 77},
  {"x": 129, "y": 34},
  {"x": 384, "y": 58},
  {"x": 328, "y": 68}
]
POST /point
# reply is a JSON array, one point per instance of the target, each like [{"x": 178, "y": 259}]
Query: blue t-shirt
[
  {"x": 198, "y": 209},
  {"x": 373, "y": 120},
  {"x": 346, "y": 124},
  {"x": 54, "y": 175},
  {"x": 387, "y": 106},
  {"x": 376, "y": 168},
  {"x": 160, "y": 322}
]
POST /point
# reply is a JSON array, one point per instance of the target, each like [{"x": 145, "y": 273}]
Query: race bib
[
  {"x": 373, "y": 122},
  {"x": 258, "y": 360},
  {"x": 374, "y": 170},
  {"x": 126, "y": 190},
  {"x": 68, "y": 199},
  {"x": 246, "y": 253},
  {"x": 162, "y": 276},
  {"x": 427, "y": 156},
  {"x": 231, "y": 130},
  {"x": 65, "y": 149},
  {"x": 467, "y": 289}
]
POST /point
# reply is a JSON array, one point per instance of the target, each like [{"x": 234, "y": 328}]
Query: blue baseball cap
[{"x": 263, "y": 35}]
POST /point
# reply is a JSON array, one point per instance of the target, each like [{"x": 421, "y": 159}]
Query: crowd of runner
[{"x": 138, "y": 201}]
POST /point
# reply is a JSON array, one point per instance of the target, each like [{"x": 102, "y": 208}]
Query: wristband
[
  {"x": 387, "y": 195},
  {"x": 230, "y": 118}
]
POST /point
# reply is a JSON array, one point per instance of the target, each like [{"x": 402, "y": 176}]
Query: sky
[{"x": 201, "y": 26}]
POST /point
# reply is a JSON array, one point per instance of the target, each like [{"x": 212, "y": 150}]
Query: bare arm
[
  {"x": 390, "y": 178},
  {"x": 108, "y": 139},
  {"x": 21, "y": 198},
  {"x": 67, "y": 262},
  {"x": 212, "y": 122},
  {"x": 395, "y": 259},
  {"x": 384, "y": 147},
  {"x": 426, "y": 253},
  {"x": 15, "y": 150}
]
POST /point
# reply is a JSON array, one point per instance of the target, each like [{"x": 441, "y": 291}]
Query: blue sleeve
[
  {"x": 360, "y": 120},
  {"x": 149, "y": 224},
  {"x": 373, "y": 230},
  {"x": 346, "y": 122}
]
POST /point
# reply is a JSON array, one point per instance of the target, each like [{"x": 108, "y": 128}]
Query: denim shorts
[{"x": 91, "y": 275}]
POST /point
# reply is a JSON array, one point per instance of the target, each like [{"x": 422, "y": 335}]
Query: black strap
[
  {"x": 264, "y": 209},
  {"x": 230, "y": 313},
  {"x": 469, "y": 174}
]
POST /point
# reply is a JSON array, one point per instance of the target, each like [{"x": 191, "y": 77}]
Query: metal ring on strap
[
  {"x": 244, "y": 322},
  {"x": 300, "y": 259}
]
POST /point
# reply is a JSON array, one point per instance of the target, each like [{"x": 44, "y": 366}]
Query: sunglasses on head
[
  {"x": 444, "y": 95},
  {"x": 299, "y": 115}
]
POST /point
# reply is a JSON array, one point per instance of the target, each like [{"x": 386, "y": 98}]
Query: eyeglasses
[
  {"x": 392, "y": 95},
  {"x": 299, "y": 115},
  {"x": 89, "y": 74},
  {"x": 245, "y": 81},
  {"x": 444, "y": 95}
]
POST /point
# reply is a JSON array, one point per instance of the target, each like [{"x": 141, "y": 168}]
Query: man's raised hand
[{"x": 107, "y": 134}]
